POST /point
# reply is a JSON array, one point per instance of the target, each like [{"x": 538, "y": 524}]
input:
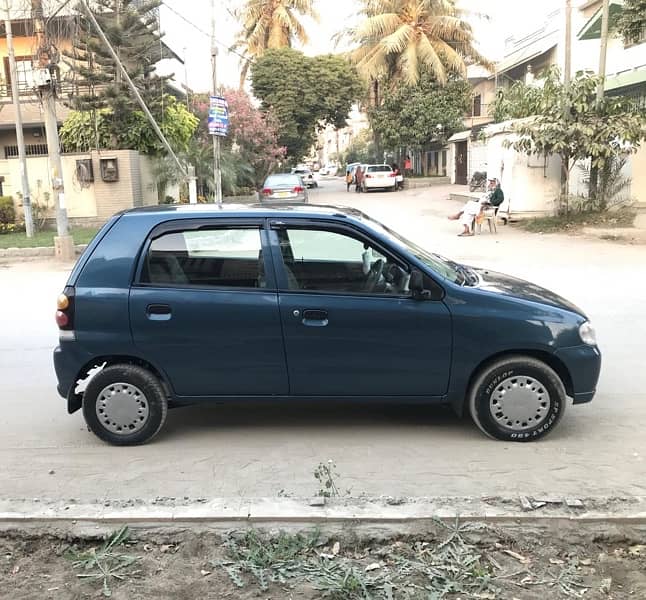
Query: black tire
[
  {"x": 525, "y": 375},
  {"x": 154, "y": 397}
]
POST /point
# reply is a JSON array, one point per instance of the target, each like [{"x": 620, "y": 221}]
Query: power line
[{"x": 203, "y": 32}]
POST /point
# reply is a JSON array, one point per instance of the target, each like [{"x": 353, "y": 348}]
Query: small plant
[
  {"x": 106, "y": 563},
  {"x": 267, "y": 560},
  {"x": 326, "y": 474}
]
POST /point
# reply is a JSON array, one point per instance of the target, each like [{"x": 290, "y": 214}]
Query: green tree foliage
[
  {"x": 98, "y": 83},
  {"x": 361, "y": 149},
  {"x": 632, "y": 22},
  {"x": 516, "y": 102},
  {"x": 414, "y": 116},
  {"x": 87, "y": 130},
  {"x": 304, "y": 93},
  {"x": 573, "y": 125}
]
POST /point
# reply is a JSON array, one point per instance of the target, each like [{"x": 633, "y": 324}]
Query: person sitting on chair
[{"x": 474, "y": 207}]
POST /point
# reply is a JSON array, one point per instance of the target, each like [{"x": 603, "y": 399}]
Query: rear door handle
[
  {"x": 315, "y": 318},
  {"x": 158, "y": 312}
]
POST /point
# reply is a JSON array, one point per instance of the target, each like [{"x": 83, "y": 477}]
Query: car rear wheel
[
  {"x": 125, "y": 405},
  {"x": 517, "y": 398}
]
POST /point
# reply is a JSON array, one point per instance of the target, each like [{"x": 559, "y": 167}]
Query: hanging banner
[{"x": 218, "y": 116}]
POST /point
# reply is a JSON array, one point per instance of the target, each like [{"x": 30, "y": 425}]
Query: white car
[
  {"x": 378, "y": 177},
  {"x": 306, "y": 175}
]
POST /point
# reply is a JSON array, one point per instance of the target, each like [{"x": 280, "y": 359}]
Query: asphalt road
[{"x": 271, "y": 448}]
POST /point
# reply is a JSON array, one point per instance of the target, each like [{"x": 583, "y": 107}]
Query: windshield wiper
[{"x": 468, "y": 275}]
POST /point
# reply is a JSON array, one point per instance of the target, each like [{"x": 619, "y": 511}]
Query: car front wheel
[
  {"x": 125, "y": 405},
  {"x": 517, "y": 398}
]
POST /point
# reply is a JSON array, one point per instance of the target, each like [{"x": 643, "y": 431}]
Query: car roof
[{"x": 265, "y": 210}]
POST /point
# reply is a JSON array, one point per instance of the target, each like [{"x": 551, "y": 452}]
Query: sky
[{"x": 192, "y": 41}]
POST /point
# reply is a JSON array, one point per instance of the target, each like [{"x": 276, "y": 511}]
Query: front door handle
[
  {"x": 158, "y": 312},
  {"x": 315, "y": 318}
]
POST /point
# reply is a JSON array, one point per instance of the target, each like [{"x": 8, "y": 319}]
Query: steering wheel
[{"x": 374, "y": 275}]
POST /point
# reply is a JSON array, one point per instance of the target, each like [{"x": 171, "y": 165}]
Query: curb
[
  {"x": 38, "y": 252},
  {"x": 400, "y": 515}
]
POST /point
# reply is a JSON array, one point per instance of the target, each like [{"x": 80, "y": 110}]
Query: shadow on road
[{"x": 315, "y": 417}]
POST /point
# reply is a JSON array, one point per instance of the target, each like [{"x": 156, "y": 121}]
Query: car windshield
[
  {"x": 442, "y": 266},
  {"x": 282, "y": 180},
  {"x": 379, "y": 169}
]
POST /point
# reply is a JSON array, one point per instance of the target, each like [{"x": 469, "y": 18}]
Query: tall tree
[
  {"x": 304, "y": 93},
  {"x": 131, "y": 28},
  {"x": 270, "y": 24},
  {"x": 400, "y": 39},
  {"x": 415, "y": 116}
]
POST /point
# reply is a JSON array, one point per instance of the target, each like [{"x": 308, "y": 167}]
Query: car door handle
[
  {"x": 158, "y": 312},
  {"x": 315, "y": 318}
]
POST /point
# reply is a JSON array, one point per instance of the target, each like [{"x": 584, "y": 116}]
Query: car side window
[
  {"x": 223, "y": 257},
  {"x": 330, "y": 261}
]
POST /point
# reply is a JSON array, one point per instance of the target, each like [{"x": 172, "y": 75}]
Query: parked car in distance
[
  {"x": 284, "y": 187},
  {"x": 379, "y": 177},
  {"x": 306, "y": 175},
  {"x": 329, "y": 170},
  {"x": 175, "y": 305}
]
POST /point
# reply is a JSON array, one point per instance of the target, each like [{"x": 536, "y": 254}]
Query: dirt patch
[{"x": 450, "y": 560}]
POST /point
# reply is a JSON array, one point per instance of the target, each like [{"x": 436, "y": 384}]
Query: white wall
[{"x": 531, "y": 185}]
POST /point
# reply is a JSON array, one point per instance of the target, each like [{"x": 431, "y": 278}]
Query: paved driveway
[{"x": 268, "y": 448}]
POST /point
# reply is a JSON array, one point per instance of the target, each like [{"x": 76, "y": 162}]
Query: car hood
[{"x": 525, "y": 290}]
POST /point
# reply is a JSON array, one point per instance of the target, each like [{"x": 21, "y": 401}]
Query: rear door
[{"x": 205, "y": 309}]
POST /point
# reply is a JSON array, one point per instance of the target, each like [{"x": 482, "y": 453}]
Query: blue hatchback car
[{"x": 176, "y": 305}]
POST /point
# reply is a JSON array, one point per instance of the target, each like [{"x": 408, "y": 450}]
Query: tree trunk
[{"x": 564, "y": 203}]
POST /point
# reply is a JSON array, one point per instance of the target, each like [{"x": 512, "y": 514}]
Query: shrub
[{"x": 7, "y": 210}]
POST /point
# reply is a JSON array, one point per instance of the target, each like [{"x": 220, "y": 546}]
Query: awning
[
  {"x": 592, "y": 29},
  {"x": 461, "y": 136},
  {"x": 626, "y": 79}
]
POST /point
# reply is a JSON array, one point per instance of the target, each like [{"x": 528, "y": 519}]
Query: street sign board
[{"x": 218, "y": 116}]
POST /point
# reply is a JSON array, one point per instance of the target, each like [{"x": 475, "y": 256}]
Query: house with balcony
[{"x": 82, "y": 173}]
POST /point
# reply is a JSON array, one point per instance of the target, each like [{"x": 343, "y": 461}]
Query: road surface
[{"x": 268, "y": 448}]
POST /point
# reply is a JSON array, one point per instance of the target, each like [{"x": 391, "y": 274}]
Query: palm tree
[
  {"x": 399, "y": 39},
  {"x": 270, "y": 24}
]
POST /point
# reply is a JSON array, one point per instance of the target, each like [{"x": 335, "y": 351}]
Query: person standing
[
  {"x": 348, "y": 179},
  {"x": 358, "y": 179},
  {"x": 408, "y": 166}
]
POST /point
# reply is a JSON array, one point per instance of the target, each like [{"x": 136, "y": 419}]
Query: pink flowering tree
[{"x": 252, "y": 140}]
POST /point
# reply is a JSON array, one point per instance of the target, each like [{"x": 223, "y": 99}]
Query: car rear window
[
  {"x": 379, "y": 169},
  {"x": 286, "y": 180}
]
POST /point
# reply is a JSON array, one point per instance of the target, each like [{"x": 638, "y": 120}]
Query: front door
[
  {"x": 461, "y": 163},
  {"x": 204, "y": 311},
  {"x": 351, "y": 327}
]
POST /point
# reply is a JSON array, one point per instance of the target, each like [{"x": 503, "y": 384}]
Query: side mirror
[{"x": 416, "y": 286}]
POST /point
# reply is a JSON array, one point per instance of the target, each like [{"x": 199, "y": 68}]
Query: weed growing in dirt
[
  {"x": 106, "y": 563},
  {"x": 326, "y": 474},
  {"x": 266, "y": 559},
  {"x": 452, "y": 562}
]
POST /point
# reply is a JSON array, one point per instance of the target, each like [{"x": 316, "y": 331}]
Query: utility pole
[
  {"x": 20, "y": 136},
  {"x": 217, "y": 173},
  {"x": 603, "y": 50},
  {"x": 567, "y": 74},
  {"x": 48, "y": 81}
]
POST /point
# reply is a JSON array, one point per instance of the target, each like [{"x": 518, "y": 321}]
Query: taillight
[
  {"x": 368, "y": 176},
  {"x": 65, "y": 309},
  {"x": 298, "y": 189},
  {"x": 266, "y": 192}
]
